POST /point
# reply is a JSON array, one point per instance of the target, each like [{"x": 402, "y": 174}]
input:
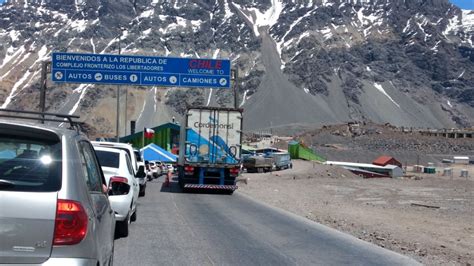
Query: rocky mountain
[{"x": 408, "y": 63}]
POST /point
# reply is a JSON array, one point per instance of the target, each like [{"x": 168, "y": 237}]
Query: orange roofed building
[{"x": 386, "y": 160}]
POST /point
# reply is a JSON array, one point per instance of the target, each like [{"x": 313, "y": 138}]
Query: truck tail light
[
  {"x": 70, "y": 226},
  {"x": 118, "y": 186},
  {"x": 234, "y": 171},
  {"x": 189, "y": 170}
]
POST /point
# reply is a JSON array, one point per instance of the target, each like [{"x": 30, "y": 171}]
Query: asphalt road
[{"x": 175, "y": 228}]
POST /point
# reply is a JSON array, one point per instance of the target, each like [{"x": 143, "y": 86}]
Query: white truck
[{"x": 210, "y": 148}]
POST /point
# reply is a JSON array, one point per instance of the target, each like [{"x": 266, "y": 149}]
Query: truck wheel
[{"x": 229, "y": 192}]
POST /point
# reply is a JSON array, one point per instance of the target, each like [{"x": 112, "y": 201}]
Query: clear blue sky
[{"x": 464, "y": 4}]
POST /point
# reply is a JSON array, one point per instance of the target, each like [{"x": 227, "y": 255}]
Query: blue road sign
[{"x": 140, "y": 70}]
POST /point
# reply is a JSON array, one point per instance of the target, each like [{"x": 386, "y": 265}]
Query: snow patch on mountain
[
  {"x": 147, "y": 13},
  {"x": 281, "y": 44},
  {"x": 11, "y": 54},
  {"x": 244, "y": 98},
  {"x": 82, "y": 89},
  {"x": 259, "y": 19},
  {"x": 15, "y": 87},
  {"x": 381, "y": 89}
]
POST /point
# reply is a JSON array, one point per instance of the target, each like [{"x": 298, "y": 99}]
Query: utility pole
[
  {"x": 118, "y": 95},
  {"x": 126, "y": 110},
  {"x": 45, "y": 69},
  {"x": 235, "y": 78}
]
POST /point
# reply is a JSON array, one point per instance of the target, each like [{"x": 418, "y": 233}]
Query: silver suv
[{"x": 54, "y": 208}]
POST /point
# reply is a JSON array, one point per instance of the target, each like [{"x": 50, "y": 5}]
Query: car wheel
[
  {"x": 142, "y": 191},
  {"x": 121, "y": 228},
  {"x": 133, "y": 218}
]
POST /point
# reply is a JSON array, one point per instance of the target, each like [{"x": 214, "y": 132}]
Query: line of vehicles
[
  {"x": 65, "y": 199},
  {"x": 156, "y": 169}
]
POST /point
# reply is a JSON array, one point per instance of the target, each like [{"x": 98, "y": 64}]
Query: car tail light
[
  {"x": 234, "y": 171},
  {"x": 71, "y": 223},
  {"x": 118, "y": 186}
]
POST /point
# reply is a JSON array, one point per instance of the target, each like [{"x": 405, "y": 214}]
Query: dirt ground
[{"x": 382, "y": 211}]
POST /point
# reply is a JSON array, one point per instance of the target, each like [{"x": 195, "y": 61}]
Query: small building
[
  {"x": 461, "y": 159},
  {"x": 386, "y": 160}
]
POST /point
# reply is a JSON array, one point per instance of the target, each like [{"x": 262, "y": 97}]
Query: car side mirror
[{"x": 141, "y": 172}]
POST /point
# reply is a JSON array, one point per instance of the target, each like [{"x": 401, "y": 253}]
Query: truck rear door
[{"x": 213, "y": 136}]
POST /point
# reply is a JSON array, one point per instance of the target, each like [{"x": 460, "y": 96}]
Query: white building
[{"x": 461, "y": 160}]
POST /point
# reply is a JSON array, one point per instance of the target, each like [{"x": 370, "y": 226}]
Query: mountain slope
[{"x": 408, "y": 63}]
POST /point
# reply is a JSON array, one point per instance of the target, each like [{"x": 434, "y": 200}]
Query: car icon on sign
[
  {"x": 98, "y": 76},
  {"x": 58, "y": 75}
]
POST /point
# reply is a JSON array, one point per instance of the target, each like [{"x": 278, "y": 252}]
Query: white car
[
  {"x": 170, "y": 168},
  {"x": 122, "y": 184},
  {"x": 122, "y": 146},
  {"x": 155, "y": 169}
]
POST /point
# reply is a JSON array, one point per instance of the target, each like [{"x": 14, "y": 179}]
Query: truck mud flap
[{"x": 222, "y": 187}]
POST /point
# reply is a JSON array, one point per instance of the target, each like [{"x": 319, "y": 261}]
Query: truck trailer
[{"x": 210, "y": 148}]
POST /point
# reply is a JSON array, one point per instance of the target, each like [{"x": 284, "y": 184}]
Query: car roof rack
[{"x": 42, "y": 117}]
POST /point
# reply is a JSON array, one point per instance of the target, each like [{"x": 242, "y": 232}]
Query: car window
[
  {"x": 127, "y": 151},
  {"x": 129, "y": 165},
  {"x": 138, "y": 156},
  {"x": 27, "y": 164},
  {"x": 90, "y": 167},
  {"x": 108, "y": 159}
]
